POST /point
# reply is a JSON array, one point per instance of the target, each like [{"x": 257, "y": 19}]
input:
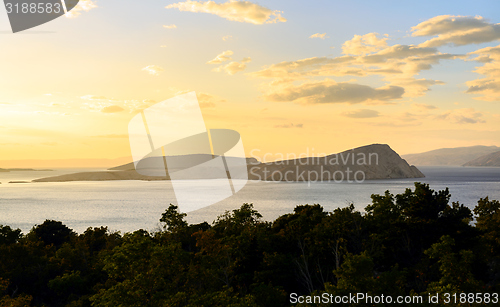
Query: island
[
  {"x": 375, "y": 161},
  {"x": 6, "y": 170},
  {"x": 457, "y": 156},
  {"x": 492, "y": 160}
]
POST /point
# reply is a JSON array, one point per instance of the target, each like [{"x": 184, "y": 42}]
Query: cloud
[
  {"x": 489, "y": 87},
  {"x": 290, "y": 126},
  {"x": 112, "y": 109},
  {"x": 401, "y": 52},
  {"x": 457, "y": 30},
  {"x": 414, "y": 87},
  {"x": 462, "y": 116},
  {"x": 170, "y": 26},
  {"x": 423, "y": 106},
  {"x": 371, "y": 55},
  {"x": 364, "y": 44},
  {"x": 398, "y": 64},
  {"x": 318, "y": 35},
  {"x": 241, "y": 11},
  {"x": 362, "y": 113},
  {"x": 406, "y": 60},
  {"x": 227, "y": 37},
  {"x": 447, "y": 24},
  {"x": 153, "y": 70},
  {"x": 224, "y": 56},
  {"x": 234, "y": 67},
  {"x": 82, "y": 6},
  {"x": 329, "y": 91}
]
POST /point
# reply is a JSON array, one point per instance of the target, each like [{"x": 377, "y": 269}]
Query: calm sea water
[{"x": 130, "y": 205}]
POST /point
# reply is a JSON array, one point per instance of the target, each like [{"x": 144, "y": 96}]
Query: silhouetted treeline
[{"x": 413, "y": 243}]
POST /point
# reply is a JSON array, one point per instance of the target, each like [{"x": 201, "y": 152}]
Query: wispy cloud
[
  {"x": 489, "y": 87},
  {"x": 170, "y": 26},
  {"x": 361, "y": 113},
  {"x": 153, "y": 70},
  {"x": 462, "y": 116},
  {"x": 364, "y": 44},
  {"x": 423, "y": 106},
  {"x": 329, "y": 91},
  {"x": 82, "y": 6},
  {"x": 234, "y": 67},
  {"x": 224, "y": 56},
  {"x": 241, "y": 11},
  {"x": 319, "y": 35},
  {"x": 457, "y": 30}
]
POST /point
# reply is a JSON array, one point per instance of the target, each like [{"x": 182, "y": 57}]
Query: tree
[
  {"x": 53, "y": 232},
  {"x": 8, "y": 235},
  {"x": 173, "y": 219}
]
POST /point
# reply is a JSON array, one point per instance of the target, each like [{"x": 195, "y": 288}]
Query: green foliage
[
  {"x": 173, "y": 219},
  {"x": 406, "y": 244}
]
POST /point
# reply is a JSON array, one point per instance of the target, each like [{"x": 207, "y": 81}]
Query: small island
[{"x": 6, "y": 170}]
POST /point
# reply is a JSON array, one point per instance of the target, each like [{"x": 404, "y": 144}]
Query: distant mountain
[
  {"x": 449, "y": 156},
  {"x": 493, "y": 159},
  {"x": 376, "y": 161}
]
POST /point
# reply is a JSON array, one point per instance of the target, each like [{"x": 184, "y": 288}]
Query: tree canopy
[{"x": 413, "y": 243}]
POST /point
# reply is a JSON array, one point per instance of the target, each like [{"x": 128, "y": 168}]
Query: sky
[{"x": 292, "y": 77}]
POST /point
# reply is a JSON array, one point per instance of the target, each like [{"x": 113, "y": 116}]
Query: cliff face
[
  {"x": 377, "y": 161},
  {"x": 492, "y": 159},
  {"x": 449, "y": 156}
]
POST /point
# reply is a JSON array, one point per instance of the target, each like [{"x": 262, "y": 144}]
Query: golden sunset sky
[{"x": 290, "y": 76}]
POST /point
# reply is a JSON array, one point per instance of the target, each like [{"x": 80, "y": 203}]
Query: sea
[{"x": 129, "y": 205}]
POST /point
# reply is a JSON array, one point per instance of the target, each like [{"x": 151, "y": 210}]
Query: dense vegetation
[{"x": 407, "y": 244}]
